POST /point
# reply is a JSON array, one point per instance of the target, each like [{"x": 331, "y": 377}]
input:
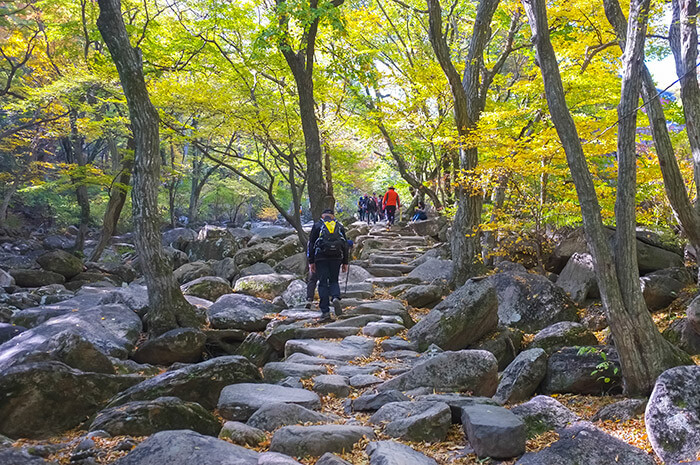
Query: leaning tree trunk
[
  {"x": 117, "y": 199},
  {"x": 168, "y": 308},
  {"x": 674, "y": 184},
  {"x": 683, "y": 37},
  {"x": 81, "y": 193},
  {"x": 644, "y": 353}
]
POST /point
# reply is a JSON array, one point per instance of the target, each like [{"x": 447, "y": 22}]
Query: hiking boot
[
  {"x": 337, "y": 309},
  {"x": 309, "y": 304},
  {"x": 325, "y": 317}
]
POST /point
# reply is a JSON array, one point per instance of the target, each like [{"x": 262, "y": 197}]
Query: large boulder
[
  {"x": 493, "y": 431},
  {"x": 8, "y": 331},
  {"x": 207, "y": 287},
  {"x": 266, "y": 286},
  {"x": 113, "y": 329},
  {"x": 77, "y": 352},
  {"x": 177, "y": 345},
  {"x": 201, "y": 382},
  {"x": 191, "y": 271},
  {"x": 583, "y": 443},
  {"x": 594, "y": 370},
  {"x": 12, "y": 456},
  {"x": 350, "y": 348},
  {"x": 504, "y": 344},
  {"x": 277, "y": 371},
  {"x": 212, "y": 243},
  {"x": 530, "y": 302},
  {"x": 295, "y": 265},
  {"x": 47, "y": 398},
  {"x": 422, "y": 296},
  {"x": 143, "y": 418},
  {"x": 660, "y": 288},
  {"x": 239, "y": 401},
  {"x": 372, "y": 401},
  {"x": 295, "y": 294},
  {"x": 464, "y": 370},
  {"x": 226, "y": 269},
  {"x": 543, "y": 413},
  {"x": 36, "y": 278},
  {"x": 461, "y": 319},
  {"x": 433, "y": 270},
  {"x": 274, "y": 415},
  {"x": 623, "y": 410},
  {"x": 395, "y": 453},
  {"x": 563, "y": 334},
  {"x": 185, "y": 447},
  {"x": 673, "y": 415},
  {"x": 415, "y": 421},
  {"x": 252, "y": 255},
  {"x": 578, "y": 278},
  {"x": 237, "y": 311},
  {"x": 301, "y": 441},
  {"x": 522, "y": 376},
  {"x": 242, "y": 434},
  {"x": 178, "y": 238},
  {"x": 61, "y": 262}
]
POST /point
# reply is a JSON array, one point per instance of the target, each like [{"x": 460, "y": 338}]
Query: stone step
[
  {"x": 402, "y": 268},
  {"x": 392, "y": 258},
  {"x": 393, "y": 281}
]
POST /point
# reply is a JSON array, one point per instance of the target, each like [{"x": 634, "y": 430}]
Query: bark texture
[
  {"x": 168, "y": 308},
  {"x": 644, "y": 353}
]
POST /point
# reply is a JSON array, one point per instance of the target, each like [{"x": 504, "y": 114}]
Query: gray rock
[
  {"x": 569, "y": 372},
  {"x": 673, "y": 415},
  {"x": 177, "y": 345},
  {"x": 494, "y": 431},
  {"x": 274, "y": 415},
  {"x": 415, "y": 421},
  {"x": 372, "y": 401},
  {"x": 277, "y": 371},
  {"x": 463, "y": 318},
  {"x": 578, "y": 278},
  {"x": 256, "y": 349},
  {"x": 382, "y": 308},
  {"x": 424, "y": 296},
  {"x": 397, "y": 343},
  {"x": 8, "y": 331},
  {"x": 623, "y": 410},
  {"x": 61, "y": 262},
  {"x": 504, "y": 344},
  {"x": 212, "y": 243},
  {"x": 146, "y": 417},
  {"x": 464, "y": 370},
  {"x": 257, "y": 269},
  {"x": 543, "y": 413},
  {"x": 433, "y": 270},
  {"x": 242, "y": 434},
  {"x": 6, "y": 280},
  {"x": 47, "y": 398},
  {"x": 191, "y": 271},
  {"x": 363, "y": 381},
  {"x": 394, "y": 453},
  {"x": 20, "y": 457},
  {"x": 295, "y": 295},
  {"x": 522, "y": 376},
  {"x": 331, "y": 459},
  {"x": 178, "y": 238},
  {"x": 226, "y": 269},
  {"x": 456, "y": 402},
  {"x": 36, "y": 278},
  {"x": 301, "y": 441},
  {"x": 563, "y": 334},
  {"x": 583, "y": 443},
  {"x": 236, "y": 311},
  {"x": 331, "y": 384},
  {"x": 184, "y": 447},
  {"x": 207, "y": 287},
  {"x": 273, "y": 458},
  {"x": 239, "y": 401},
  {"x": 295, "y": 264},
  {"x": 267, "y": 286},
  {"x": 530, "y": 302},
  {"x": 282, "y": 333},
  {"x": 382, "y": 329},
  {"x": 350, "y": 348},
  {"x": 77, "y": 352},
  {"x": 201, "y": 382},
  {"x": 660, "y": 288}
]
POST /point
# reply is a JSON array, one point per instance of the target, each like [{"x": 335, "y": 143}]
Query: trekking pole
[{"x": 347, "y": 275}]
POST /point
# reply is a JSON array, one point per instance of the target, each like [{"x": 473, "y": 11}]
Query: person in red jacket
[{"x": 391, "y": 203}]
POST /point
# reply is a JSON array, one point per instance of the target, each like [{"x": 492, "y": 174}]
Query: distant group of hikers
[
  {"x": 373, "y": 209},
  {"x": 329, "y": 249}
]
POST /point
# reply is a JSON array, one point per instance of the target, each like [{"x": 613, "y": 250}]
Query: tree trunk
[
  {"x": 81, "y": 193},
  {"x": 683, "y": 37},
  {"x": 644, "y": 353},
  {"x": 468, "y": 105},
  {"x": 117, "y": 198},
  {"x": 674, "y": 183},
  {"x": 7, "y": 195},
  {"x": 168, "y": 308},
  {"x": 497, "y": 199}
]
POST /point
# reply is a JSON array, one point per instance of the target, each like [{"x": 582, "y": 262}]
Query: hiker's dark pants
[
  {"x": 328, "y": 286},
  {"x": 390, "y": 213},
  {"x": 311, "y": 286}
]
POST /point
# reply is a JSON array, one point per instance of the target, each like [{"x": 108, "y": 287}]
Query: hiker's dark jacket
[{"x": 313, "y": 237}]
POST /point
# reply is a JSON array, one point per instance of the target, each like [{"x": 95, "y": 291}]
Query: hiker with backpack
[
  {"x": 362, "y": 207},
  {"x": 391, "y": 203},
  {"x": 371, "y": 209},
  {"x": 328, "y": 252}
]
